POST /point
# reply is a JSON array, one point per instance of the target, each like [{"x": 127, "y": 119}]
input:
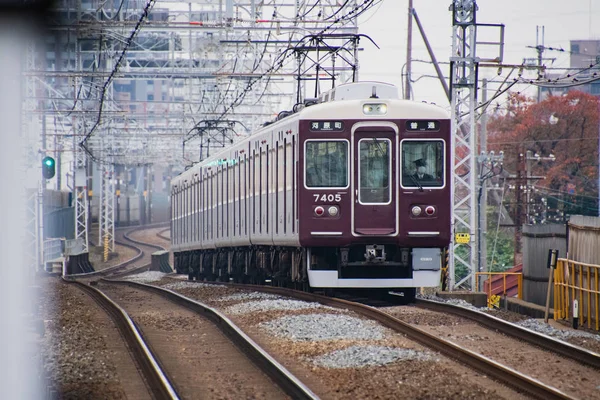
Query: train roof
[
  {"x": 343, "y": 101},
  {"x": 397, "y": 109}
]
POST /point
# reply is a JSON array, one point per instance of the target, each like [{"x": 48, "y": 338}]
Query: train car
[{"x": 350, "y": 192}]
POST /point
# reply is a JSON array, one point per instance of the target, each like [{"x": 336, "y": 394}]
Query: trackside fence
[
  {"x": 500, "y": 283},
  {"x": 577, "y": 281}
]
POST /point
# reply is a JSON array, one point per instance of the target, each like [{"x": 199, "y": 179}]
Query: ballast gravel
[
  {"x": 185, "y": 285},
  {"x": 146, "y": 277},
  {"x": 317, "y": 327},
  {"x": 454, "y": 302},
  {"x": 363, "y": 356},
  {"x": 248, "y": 296},
  {"x": 542, "y": 327},
  {"x": 272, "y": 305},
  {"x": 578, "y": 337}
]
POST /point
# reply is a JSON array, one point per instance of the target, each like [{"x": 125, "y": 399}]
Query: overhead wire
[
  {"x": 134, "y": 32},
  {"x": 279, "y": 60}
]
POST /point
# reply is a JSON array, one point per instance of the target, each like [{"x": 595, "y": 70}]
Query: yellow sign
[
  {"x": 494, "y": 301},
  {"x": 118, "y": 192},
  {"x": 462, "y": 238}
]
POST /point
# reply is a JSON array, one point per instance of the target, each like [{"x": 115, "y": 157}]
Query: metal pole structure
[
  {"x": 34, "y": 238},
  {"x": 540, "y": 50},
  {"x": 432, "y": 55},
  {"x": 482, "y": 206},
  {"x": 150, "y": 174},
  {"x": 107, "y": 208},
  {"x": 408, "y": 52},
  {"x": 528, "y": 158},
  {"x": 463, "y": 71},
  {"x": 80, "y": 193}
]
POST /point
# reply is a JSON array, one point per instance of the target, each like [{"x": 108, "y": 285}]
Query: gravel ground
[
  {"x": 351, "y": 367},
  {"x": 317, "y": 327},
  {"x": 146, "y": 277},
  {"x": 566, "y": 375},
  {"x": 84, "y": 354},
  {"x": 557, "y": 329},
  {"x": 339, "y": 354},
  {"x": 363, "y": 356}
]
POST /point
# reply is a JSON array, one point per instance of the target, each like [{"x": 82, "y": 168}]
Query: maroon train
[{"x": 351, "y": 192}]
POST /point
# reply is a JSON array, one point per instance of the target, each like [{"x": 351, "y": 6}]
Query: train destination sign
[
  {"x": 328, "y": 126},
  {"x": 430, "y": 126}
]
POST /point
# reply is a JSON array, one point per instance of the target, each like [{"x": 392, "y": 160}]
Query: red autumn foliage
[{"x": 564, "y": 126}]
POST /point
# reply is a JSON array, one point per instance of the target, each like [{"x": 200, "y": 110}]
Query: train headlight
[
  {"x": 319, "y": 211},
  {"x": 333, "y": 211},
  {"x": 416, "y": 211},
  {"x": 375, "y": 109},
  {"x": 430, "y": 210}
]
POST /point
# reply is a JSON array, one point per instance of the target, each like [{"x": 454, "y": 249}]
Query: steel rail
[
  {"x": 116, "y": 269},
  {"x": 162, "y": 236},
  {"x": 501, "y": 373},
  {"x": 565, "y": 349},
  {"x": 277, "y": 372},
  {"x": 157, "y": 381}
]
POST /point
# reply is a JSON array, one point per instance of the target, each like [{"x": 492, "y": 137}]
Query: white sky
[{"x": 387, "y": 26}]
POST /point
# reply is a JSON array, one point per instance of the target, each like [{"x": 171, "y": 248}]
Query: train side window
[
  {"x": 423, "y": 163},
  {"x": 326, "y": 164}
]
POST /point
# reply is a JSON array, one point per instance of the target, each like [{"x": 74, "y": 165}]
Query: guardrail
[
  {"x": 577, "y": 281},
  {"x": 493, "y": 298}
]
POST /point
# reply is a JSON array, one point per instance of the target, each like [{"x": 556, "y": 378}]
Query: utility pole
[
  {"x": 523, "y": 190},
  {"x": 490, "y": 165},
  {"x": 530, "y": 157},
  {"x": 407, "y": 87},
  {"x": 540, "y": 48},
  {"x": 482, "y": 205},
  {"x": 540, "y": 51}
]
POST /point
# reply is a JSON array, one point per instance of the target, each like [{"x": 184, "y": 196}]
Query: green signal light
[{"x": 48, "y": 167}]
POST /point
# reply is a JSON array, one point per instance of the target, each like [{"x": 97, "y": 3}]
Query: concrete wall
[
  {"x": 537, "y": 240},
  {"x": 60, "y": 223},
  {"x": 584, "y": 239}
]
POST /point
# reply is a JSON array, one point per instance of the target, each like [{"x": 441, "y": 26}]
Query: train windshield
[
  {"x": 374, "y": 171},
  {"x": 422, "y": 163},
  {"x": 326, "y": 163}
]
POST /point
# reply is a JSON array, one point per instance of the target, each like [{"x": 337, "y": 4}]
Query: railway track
[
  {"x": 501, "y": 373},
  {"x": 238, "y": 358},
  {"x": 497, "y": 371},
  {"x": 157, "y": 381},
  {"x": 562, "y": 348}
]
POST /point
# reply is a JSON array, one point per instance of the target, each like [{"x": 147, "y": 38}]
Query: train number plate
[{"x": 327, "y": 198}]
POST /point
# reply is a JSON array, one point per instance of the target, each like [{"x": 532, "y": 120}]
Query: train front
[{"x": 374, "y": 189}]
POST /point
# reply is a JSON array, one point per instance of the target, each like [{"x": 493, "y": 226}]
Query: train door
[{"x": 374, "y": 181}]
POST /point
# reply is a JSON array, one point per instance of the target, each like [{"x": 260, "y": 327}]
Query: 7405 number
[{"x": 328, "y": 198}]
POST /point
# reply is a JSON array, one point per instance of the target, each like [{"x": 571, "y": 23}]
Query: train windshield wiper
[
  {"x": 416, "y": 181},
  {"x": 378, "y": 147}
]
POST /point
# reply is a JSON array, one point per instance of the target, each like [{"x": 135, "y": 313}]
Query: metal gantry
[
  {"x": 463, "y": 83},
  {"x": 131, "y": 80}
]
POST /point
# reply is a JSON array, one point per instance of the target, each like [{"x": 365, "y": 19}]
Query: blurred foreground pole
[{"x": 18, "y": 352}]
